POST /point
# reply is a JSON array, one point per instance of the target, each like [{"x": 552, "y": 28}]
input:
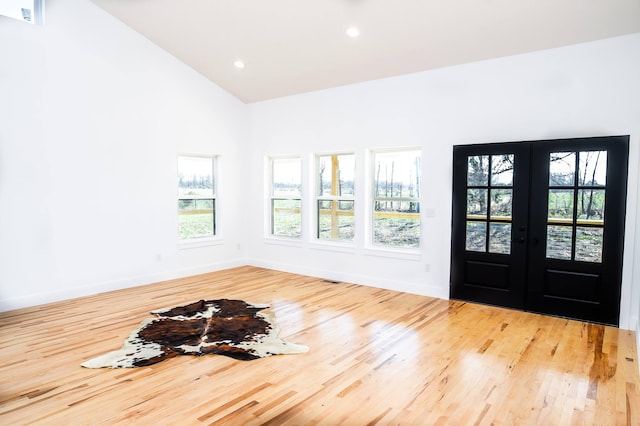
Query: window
[
  {"x": 334, "y": 203},
  {"x": 196, "y": 197},
  {"x": 396, "y": 198},
  {"x": 489, "y": 203},
  {"x": 286, "y": 193},
  {"x": 576, "y": 200}
]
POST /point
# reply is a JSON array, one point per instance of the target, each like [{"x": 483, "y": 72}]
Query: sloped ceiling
[{"x": 296, "y": 46}]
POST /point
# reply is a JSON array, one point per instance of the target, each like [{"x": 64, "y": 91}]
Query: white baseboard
[
  {"x": 102, "y": 287},
  {"x": 366, "y": 280}
]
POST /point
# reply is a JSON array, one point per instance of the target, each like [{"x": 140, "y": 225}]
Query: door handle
[{"x": 520, "y": 240}]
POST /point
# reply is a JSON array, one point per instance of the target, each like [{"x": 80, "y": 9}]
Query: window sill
[
  {"x": 394, "y": 253},
  {"x": 332, "y": 246},
  {"x": 199, "y": 242},
  {"x": 283, "y": 241}
]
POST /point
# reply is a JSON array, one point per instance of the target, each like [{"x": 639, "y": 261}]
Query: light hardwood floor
[{"x": 376, "y": 357}]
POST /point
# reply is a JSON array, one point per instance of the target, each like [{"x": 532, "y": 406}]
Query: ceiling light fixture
[
  {"x": 353, "y": 32},
  {"x": 238, "y": 64}
]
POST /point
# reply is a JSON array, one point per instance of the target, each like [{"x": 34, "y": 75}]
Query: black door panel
[
  {"x": 539, "y": 225},
  {"x": 489, "y": 237}
]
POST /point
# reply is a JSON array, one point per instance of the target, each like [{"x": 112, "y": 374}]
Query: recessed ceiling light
[
  {"x": 353, "y": 32},
  {"x": 238, "y": 64}
]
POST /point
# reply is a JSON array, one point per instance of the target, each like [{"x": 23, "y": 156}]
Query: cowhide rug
[{"x": 227, "y": 327}]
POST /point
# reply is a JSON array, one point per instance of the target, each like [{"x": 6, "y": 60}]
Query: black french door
[{"x": 539, "y": 225}]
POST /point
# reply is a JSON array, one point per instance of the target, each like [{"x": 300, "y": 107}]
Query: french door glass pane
[
  {"x": 562, "y": 168},
  {"x": 500, "y": 238},
  {"x": 589, "y": 244},
  {"x": 476, "y": 236},
  {"x": 593, "y": 168},
  {"x": 590, "y": 167},
  {"x": 477, "y": 202},
  {"x": 477, "y": 170},
  {"x": 591, "y": 204},
  {"x": 561, "y": 204},
  {"x": 502, "y": 170},
  {"x": 501, "y": 202},
  {"x": 559, "y": 242}
]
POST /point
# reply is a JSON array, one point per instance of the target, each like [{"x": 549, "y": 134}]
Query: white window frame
[
  {"x": 371, "y": 245},
  {"x": 334, "y": 198},
  {"x": 203, "y": 240},
  {"x": 273, "y": 197}
]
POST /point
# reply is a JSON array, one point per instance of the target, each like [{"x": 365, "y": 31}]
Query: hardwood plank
[{"x": 376, "y": 357}]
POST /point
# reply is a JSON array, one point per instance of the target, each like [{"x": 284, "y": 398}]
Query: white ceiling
[{"x": 297, "y": 46}]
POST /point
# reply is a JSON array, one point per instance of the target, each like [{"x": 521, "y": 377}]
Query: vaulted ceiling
[{"x": 296, "y": 46}]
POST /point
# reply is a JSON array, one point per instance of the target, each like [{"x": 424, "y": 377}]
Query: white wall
[
  {"x": 92, "y": 116},
  {"x": 591, "y": 89}
]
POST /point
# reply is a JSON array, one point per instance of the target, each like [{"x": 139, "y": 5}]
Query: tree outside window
[{"x": 396, "y": 198}]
